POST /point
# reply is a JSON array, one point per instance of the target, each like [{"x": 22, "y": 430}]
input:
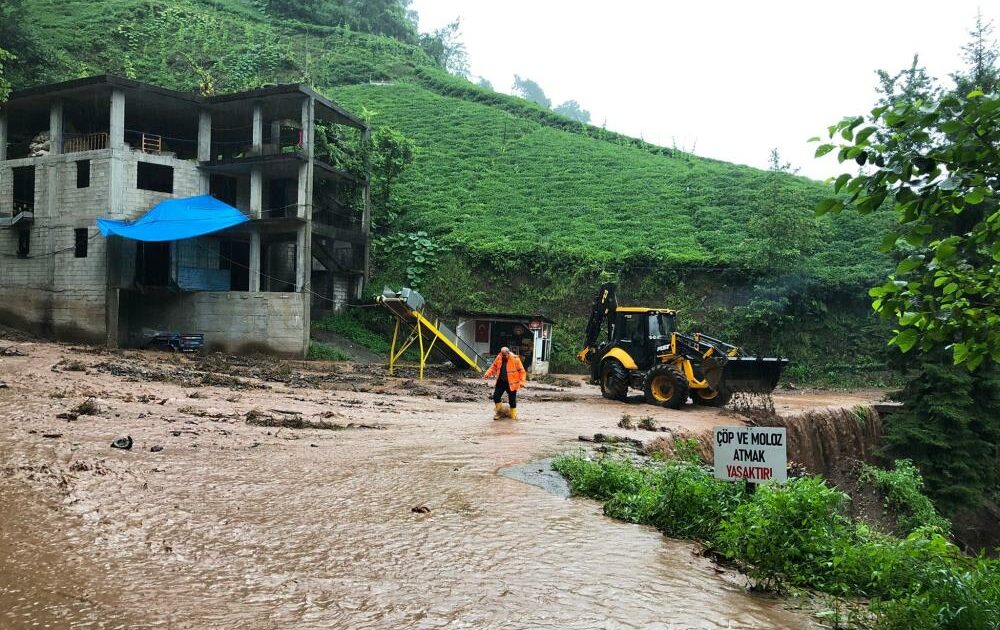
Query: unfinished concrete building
[{"x": 111, "y": 148}]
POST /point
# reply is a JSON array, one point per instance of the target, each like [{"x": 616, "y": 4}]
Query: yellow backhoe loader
[{"x": 644, "y": 351}]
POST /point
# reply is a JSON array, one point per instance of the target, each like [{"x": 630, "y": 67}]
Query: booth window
[
  {"x": 154, "y": 177},
  {"x": 83, "y": 174},
  {"x": 80, "y": 242}
]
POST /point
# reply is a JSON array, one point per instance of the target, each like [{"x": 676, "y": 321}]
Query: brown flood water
[{"x": 238, "y": 526}]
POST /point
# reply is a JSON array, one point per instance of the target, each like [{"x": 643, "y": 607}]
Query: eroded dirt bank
[{"x": 236, "y": 525}]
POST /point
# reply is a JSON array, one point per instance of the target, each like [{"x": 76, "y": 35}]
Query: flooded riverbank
[{"x": 233, "y": 525}]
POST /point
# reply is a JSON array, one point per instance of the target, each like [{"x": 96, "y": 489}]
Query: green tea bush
[
  {"x": 322, "y": 352},
  {"x": 966, "y": 597},
  {"x": 903, "y": 489},
  {"x": 787, "y": 533},
  {"x": 603, "y": 478},
  {"x": 872, "y": 564},
  {"x": 356, "y": 327},
  {"x": 692, "y": 502}
]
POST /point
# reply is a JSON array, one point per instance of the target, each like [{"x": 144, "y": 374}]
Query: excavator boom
[{"x": 602, "y": 311}]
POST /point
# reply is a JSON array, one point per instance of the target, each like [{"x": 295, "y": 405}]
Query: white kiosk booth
[{"x": 528, "y": 336}]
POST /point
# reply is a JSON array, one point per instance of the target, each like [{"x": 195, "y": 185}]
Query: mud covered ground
[{"x": 269, "y": 494}]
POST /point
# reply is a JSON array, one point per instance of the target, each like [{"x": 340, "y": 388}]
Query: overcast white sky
[{"x": 731, "y": 79}]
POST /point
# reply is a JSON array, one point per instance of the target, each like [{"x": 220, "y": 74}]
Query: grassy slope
[
  {"x": 491, "y": 181},
  {"x": 493, "y": 174}
]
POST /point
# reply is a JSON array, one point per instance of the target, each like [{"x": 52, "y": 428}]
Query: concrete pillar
[
  {"x": 276, "y": 135},
  {"x": 304, "y": 253},
  {"x": 254, "y": 262},
  {"x": 116, "y": 207},
  {"x": 204, "y": 136},
  {"x": 116, "y": 130},
  {"x": 256, "y": 192},
  {"x": 258, "y": 128},
  {"x": 256, "y": 173},
  {"x": 56, "y": 128},
  {"x": 303, "y": 264},
  {"x": 112, "y": 304},
  {"x": 204, "y": 148},
  {"x": 116, "y": 138},
  {"x": 3, "y": 136},
  {"x": 305, "y": 195}
]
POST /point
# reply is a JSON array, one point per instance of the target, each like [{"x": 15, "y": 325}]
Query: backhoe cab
[{"x": 643, "y": 350}]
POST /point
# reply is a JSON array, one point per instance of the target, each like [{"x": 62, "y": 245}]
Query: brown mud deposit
[{"x": 232, "y": 525}]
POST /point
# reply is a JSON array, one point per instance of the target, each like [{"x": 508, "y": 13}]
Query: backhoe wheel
[
  {"x": 665, "y": 386},
  {"x": 614, "y": 380},
  {"x": 711, "y": 397}
]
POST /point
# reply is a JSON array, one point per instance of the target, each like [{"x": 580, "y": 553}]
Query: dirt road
[{"x": 236, "y": 525}]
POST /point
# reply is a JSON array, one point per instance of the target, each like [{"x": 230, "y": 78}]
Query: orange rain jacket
[{"x": 516, "y": 374}]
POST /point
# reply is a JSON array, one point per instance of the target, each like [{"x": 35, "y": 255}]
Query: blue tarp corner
[{"x": 176, "y": 219}]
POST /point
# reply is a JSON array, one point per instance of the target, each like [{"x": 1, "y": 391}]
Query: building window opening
[
  {"x": 152, "y": 265},
  {"x": 223, "y": 188},
  {"x": 24, "y": 189},
  {"x": 156, "y": 177},
  {"x": 235, "y": 256},
  {"x": 281, "y": 198},
  {"x": 80, "y": 240},
  {"x": 23, "y": 243},
  {"x": 83, "y": 174}
]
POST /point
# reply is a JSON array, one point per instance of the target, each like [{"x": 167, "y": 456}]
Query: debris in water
[
  {"x": 52, "y": 435},
  {"x": 88, "y": 407},
  {"x": 156, "y": 449},
  {"x": 72, "y": 365},
  {"x": 124, "y": 443},
  {"x": 756, "y": 406},
  {"x": 646, "y": 423},
  {"x": 558, "y": 381},
  {"x": 291, "y": 420},
  {"x": 602, "y": 438},
  {"x": 68, "y": 416},
  {"x": 421, "y": 509}
]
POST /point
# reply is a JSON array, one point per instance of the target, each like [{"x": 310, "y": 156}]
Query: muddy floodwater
[{"x": 395, "y": 515}]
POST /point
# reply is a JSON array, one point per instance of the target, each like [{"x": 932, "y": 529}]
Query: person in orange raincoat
[{"x": 511, "y": 376}]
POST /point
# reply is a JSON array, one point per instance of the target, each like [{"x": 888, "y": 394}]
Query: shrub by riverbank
[{"x": 798, "y": 534}]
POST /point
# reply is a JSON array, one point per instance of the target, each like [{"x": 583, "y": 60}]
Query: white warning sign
[{"x": 754, "y": 454}]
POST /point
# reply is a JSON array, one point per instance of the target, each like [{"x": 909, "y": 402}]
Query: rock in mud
[{"x": 124, "y": 443}]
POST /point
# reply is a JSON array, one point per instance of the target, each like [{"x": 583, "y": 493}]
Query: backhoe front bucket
[{"x": 757, "y": 375}]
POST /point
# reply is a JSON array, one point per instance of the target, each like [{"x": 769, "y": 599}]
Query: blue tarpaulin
[{"x": 176, "y": 219}]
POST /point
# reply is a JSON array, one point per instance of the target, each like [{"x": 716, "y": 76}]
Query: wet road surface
[{"x": 238, "y": 526}]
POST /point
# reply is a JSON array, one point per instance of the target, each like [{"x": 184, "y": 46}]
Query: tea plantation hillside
[
  {"x": 532, "y": 209},
  {"x": 491, "y": 182}
]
